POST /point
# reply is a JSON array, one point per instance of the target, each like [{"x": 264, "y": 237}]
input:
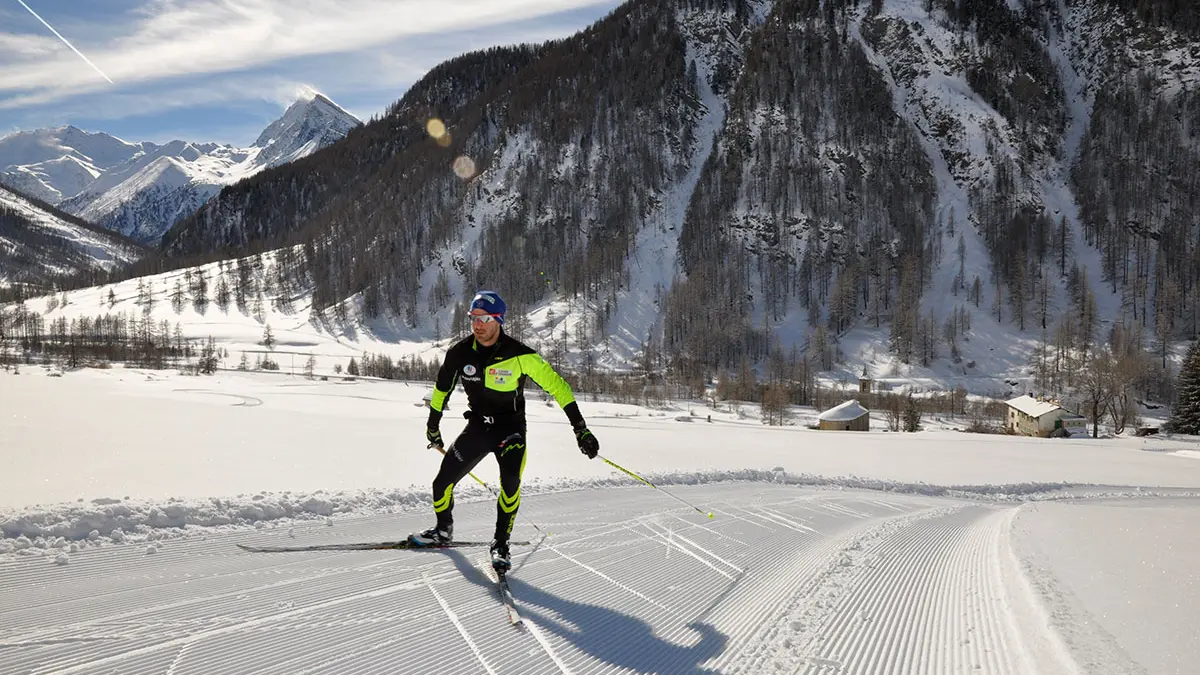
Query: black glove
[
  {"x": 588, "y": 444},
  {"x": 434, "y": 436}
]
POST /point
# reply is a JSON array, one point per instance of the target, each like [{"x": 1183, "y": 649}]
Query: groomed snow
[{"x": 874, "y": 552}]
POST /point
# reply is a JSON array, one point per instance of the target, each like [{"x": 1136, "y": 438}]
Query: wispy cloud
[{"x": 177, "y": 38}]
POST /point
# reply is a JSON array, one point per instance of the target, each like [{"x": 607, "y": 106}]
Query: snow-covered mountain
[
  {"x": 306, "y": 126},
  {"x": 142, "y": 189},
  {"x": 917, "y": 186},
  {"x": 56, "y": 164},
  {"x": 38, "y": 243}
]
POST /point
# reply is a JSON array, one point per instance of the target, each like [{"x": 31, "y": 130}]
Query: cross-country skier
[{"x": 492, "y": 367}]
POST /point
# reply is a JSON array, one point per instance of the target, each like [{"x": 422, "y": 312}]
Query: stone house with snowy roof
[
  {"x": 1029, "y": 416},
  {"x": 849, "y": 416}
]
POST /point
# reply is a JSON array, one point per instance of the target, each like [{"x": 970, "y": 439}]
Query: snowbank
[{"x": 126, "y": 521}]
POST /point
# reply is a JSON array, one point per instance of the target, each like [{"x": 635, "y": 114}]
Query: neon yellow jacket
[{"x": 494, "y": 380}]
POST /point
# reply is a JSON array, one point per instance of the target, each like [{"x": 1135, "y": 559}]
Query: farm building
[
  {"x": 1029, "y": 416},
  {"x": 849, "y": 416}
]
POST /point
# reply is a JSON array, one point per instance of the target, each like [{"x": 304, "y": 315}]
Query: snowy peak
[
  {"x": 305, "y": 127},
  {"x": 52, "y": 180},
  {"x": 57, "y": 164},
  {"x": 98, "y": 150},
  {"x": 142, "y": 189}
]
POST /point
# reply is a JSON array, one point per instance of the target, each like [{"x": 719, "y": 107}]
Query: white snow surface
[
  {"x": 828, "y": 552},
  {"x": 1128, "y": 585}
]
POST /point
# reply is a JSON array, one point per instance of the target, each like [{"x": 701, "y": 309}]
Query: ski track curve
[{"x": 784, "y": 579}]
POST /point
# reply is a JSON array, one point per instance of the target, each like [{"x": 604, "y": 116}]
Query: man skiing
[{"x": 492, "y": 367}]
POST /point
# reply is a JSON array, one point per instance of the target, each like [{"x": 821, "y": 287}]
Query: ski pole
[
  {"x": 621, "y": 468},
  {"x": 489, "y": 489}
]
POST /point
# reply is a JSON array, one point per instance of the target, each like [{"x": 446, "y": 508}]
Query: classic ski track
[
  {"x": 669, "y": 539},
  {"x": 528, "y": 625},
  {"x": 784, "y": 582},
  {"x": 169, "y": 588},
  {"x": 59, "y": 669},
  {"x": 331, "y": 594},
  {"x": 288, "y": 637},
  {"x": 460, "y": 628}
]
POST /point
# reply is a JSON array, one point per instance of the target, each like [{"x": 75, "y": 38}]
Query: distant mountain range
[{"x": 141, "y": 189}]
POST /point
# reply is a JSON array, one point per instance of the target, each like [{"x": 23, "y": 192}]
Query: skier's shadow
[{"x": 619, "y": 639}]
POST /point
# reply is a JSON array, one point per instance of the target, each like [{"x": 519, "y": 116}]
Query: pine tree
[
  {"x": 209, "y": 357},
  {"x": 177, "y": 296},
  {"x": 911, "y": 415},
  {"x": 1185, "y": 418},
  {"x": 223, "y": 295},
  {"x": 199, "y": 290}
]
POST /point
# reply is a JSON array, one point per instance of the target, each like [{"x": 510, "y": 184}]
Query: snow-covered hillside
[
  {"x": 142, "y": 189},
  {"x": 36, "y": 244}
]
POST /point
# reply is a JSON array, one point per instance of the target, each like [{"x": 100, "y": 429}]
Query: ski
[
  {"x": 404, "y": 544},
  {"x": 506, "y": 596}
]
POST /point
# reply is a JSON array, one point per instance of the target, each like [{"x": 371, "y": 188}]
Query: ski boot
[
  {"x": 434, "y": 536},
  {"x": 501, "y": 561}
]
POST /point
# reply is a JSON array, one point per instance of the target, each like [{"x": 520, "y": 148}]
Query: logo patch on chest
[
  {"x": 468, "y": 370},
  {"x": 499, "y": 375}
]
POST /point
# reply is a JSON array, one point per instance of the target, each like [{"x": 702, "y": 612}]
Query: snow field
[
  {"x": 801, "y": 571},
  {"x": 785, "y": 579},
  {"x": 1125, "y": 581}
]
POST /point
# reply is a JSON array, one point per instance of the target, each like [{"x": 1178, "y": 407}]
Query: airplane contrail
[{"x": 60, "y": 37}]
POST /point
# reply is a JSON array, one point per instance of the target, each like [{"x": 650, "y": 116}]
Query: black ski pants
[{"x": 507, "y": 442}]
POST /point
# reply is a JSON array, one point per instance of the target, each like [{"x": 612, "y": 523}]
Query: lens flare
[
  {"x": 465, "y": 167},
  {"x": 435, "y": 127}
]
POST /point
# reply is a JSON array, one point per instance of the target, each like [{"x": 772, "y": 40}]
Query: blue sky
[{"x": 221, "y": 70}]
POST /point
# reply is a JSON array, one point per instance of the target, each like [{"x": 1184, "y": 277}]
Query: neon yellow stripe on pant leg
[
  {"x": 510, "y": 504},
  {"x": 444, "y": 503}
]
